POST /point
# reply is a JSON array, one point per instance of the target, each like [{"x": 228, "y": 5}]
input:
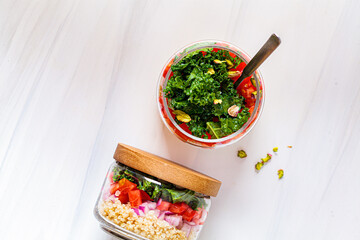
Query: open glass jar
[
  {"x": 252, "y": 89},
  {"x": 148, "y": 197}
]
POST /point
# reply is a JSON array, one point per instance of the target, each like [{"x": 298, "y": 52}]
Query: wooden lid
[{"x": 166, "y": 170}]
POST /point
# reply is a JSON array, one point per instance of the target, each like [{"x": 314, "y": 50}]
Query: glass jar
[
  {"x": 180, "y": 131},
  {"x": 148, "y": 197}
]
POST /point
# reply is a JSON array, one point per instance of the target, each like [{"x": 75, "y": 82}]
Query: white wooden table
[{"x": 78, "y": 76}]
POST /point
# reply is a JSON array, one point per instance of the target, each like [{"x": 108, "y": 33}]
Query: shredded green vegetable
[{"x": 199, "y": 79}]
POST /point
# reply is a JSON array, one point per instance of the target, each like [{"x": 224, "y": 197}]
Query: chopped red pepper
[
  {"x": 144, "y": 196},
  {"x": 123, "y": 197},
  {"x": 113, "y": 188},
  {"x": 178, "y": 208},
  {"x": 188, "y": 214},
  {"x": 164, "y": 206},
  {"x": 246, "y": 89},
  {"x": 124, "y": 186},
  {"x": 135, "y": 198}
]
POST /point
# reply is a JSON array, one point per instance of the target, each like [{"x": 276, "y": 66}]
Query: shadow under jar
[
  {"x": 253, "y": 96},
  {"x": 148, "y": 197}
]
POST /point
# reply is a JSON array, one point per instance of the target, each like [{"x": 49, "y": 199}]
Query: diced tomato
[
  {"x": 197, "y": 216},
  {"x": 124, "y": 198},
  {"x": 114, "y": 187},
  {"x": 208, "y": 134},
  {"x": 239, "y": 68},
  {"x": 135, "y": 198},
  {"x": 178, "y": 208},
  {"x": 111, "y": 177},
  {"x": 185, "y": 128},
  {"x": 124, "y": 186},
  {"x": 144, "y": 196},
  {"x": 188, "y": 214},
  {"x": 251, "y": 109},
  {"x": 167, "y": 68},
  {"x": 250, "y": 102},
  {"x": 247, "y": 92},
  {"x": 232, "y": 54},
  {"x": 246, "y": 89},
  {"x": 164, "y": 206}
]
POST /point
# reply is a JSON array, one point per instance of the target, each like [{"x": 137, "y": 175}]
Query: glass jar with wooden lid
[{"x": 145, "y": 196}]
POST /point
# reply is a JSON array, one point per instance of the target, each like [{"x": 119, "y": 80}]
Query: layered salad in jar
[{"x": 150, "y": 207}]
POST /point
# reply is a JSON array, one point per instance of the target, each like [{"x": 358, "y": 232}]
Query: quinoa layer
[{"x": 148, "y": 226}]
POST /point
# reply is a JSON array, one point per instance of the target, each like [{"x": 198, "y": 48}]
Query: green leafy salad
[
  {"x": 166, "y": 191},
  {"x": 201, "y": 93}
]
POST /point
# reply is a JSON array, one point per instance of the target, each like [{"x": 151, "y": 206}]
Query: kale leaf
[
  {"x": 146, "y": 186},
  {"x": 193, "y": 89},
  {"x": 120, "y": 173},
  {"x": 188, "y": 197}
]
